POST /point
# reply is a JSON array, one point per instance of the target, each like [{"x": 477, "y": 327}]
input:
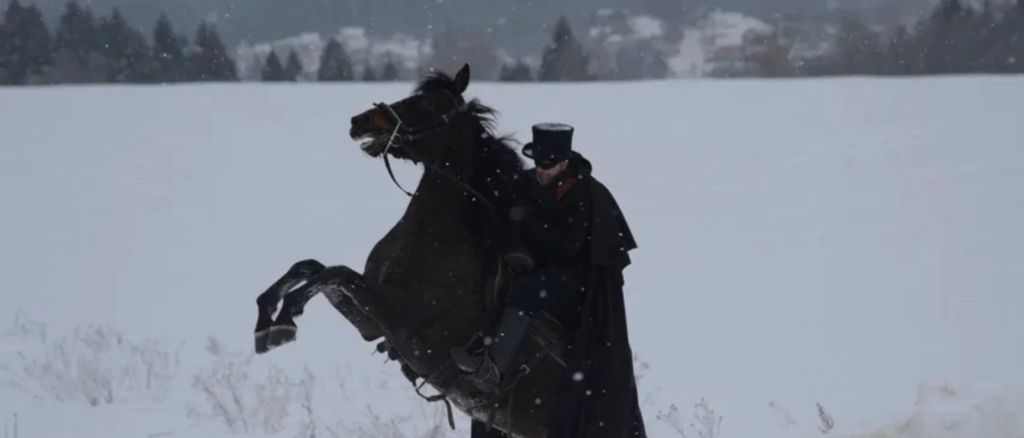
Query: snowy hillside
[
  {"x": 856, "y": 243},
  {"x": 363, "y": 49}
]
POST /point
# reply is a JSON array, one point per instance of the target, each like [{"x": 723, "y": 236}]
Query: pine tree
[
  {"x": 505, "y": 72},
  {"x": 946, "y": 39},
  {"x": 900, "y": 58},
  {"x": 168, "y": 59},
  {"x": 390, "y": 71},
  {"x": 986, "y": 52},
  {"x": 25, "y": 45},
  {"x": 515, "y": 72},
  {"x": 564, "y": 59},
  {"x": 11, "y": 69},
  {"x": 1013, "y": 21},
  {"x": 335, "y": 64},
  {"x": 272, "y": 69},
  {"x": 125, "y": 49},
  {"x": 640, "y": 60},
  {"x": 858, "y": 49},
  {"x": 78, "y": 46},
  {"x": 369, "y": 75},
  {"x": 210, "y": 61},
  {"x": 293, "y": 67},
  {"x": 1009, "y": 35}
]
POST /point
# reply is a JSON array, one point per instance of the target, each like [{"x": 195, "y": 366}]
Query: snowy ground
[{"x": 850, "y": 242}]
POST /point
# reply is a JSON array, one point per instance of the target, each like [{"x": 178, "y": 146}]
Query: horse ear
[{"x": 462, "y": 79}]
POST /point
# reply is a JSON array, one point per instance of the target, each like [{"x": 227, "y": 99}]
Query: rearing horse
[{"x": 428, "y": 284}]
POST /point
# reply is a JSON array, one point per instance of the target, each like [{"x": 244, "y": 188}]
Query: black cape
[
  {"x": 600, "y": 394},
  {"x": 599, "y": 397}
]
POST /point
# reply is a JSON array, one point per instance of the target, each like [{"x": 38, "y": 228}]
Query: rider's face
[{"x": 545, "y": 176}]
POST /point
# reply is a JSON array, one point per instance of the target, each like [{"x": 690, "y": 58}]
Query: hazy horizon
[{"x": 266, "y": 20}]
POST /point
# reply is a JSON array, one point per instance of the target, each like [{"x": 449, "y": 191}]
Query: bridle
[
  {"x": 407, "y": 133},
  {"x": 404, "y": 133}
]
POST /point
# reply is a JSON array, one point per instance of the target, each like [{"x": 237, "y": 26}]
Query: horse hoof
[
  {"x": 280, "y": 335},
  {"x": 262, "y": 338}
]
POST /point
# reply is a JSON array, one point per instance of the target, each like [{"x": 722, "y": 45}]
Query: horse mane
[{"x": 497, "y": 165}]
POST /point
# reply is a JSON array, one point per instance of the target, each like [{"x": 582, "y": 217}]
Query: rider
[{"x": 573, "y": 246}]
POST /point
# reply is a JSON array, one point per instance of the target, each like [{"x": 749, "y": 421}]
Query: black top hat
[{"x": 552, "y": 142}]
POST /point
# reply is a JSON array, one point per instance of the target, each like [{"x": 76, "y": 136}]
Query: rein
[{"x": 417, "y": 132}]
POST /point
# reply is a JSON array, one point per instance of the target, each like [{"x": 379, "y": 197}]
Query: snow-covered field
[{"x": 856, "y": 243}]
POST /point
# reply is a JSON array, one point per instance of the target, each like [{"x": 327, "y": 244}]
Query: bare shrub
[
  {"x": 98, "y": 365},
  {"x": 24, "y": 326},
  {"x": 827, "y": 423},
  {"x": 784, "y": 414},
  {"x": 307, "y": 428},
  {"x": 242, "y": 402},
  {"x": 377, "y": 427},
  {"x": 705, "y": 422}
]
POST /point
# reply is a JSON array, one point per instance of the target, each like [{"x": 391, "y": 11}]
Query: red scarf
[{"x": 564, "y": 187}]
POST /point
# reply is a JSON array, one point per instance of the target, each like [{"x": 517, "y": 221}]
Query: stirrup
[
  {"x": 466, "y": 363},
  {"x": 487, "y": 378}
]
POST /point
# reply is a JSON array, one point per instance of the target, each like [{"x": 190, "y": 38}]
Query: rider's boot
[{"x": 488, "y": 366}]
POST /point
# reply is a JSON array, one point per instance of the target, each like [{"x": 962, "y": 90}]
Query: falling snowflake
[{"x": 577, "y": 376}]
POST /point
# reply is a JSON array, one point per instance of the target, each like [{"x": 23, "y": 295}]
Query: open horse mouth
[
  {"x": 370, "y": 128},
  {"x": 373, "y": 143}
]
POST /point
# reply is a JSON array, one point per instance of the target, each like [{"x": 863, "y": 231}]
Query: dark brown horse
[{"x": 430, "y": 283}]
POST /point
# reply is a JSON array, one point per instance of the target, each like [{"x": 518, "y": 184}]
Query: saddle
[{"x": 545, "y": 331}]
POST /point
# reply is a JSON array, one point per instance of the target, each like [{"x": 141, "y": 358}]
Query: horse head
[{"x": 415, "y": 128}]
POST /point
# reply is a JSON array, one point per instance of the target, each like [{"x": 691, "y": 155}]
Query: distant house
[
  {"x": 726, "y": 62},
  {"x": 626, "y": 45},
  {"x": 406, "y": 52},
  {"x": 727, "y": 39}
]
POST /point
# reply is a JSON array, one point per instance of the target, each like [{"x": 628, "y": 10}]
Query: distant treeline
[
  {"x": 84, "y": 49},
  {"x": 87, "y": 49},
  {"x": 954, "y": 38}
]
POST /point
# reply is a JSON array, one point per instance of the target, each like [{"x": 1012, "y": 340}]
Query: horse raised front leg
[
  {"x": 267, "y": 302},
  {"x": 345, "y": 280},
  {"x": 340, "y": 285}
]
